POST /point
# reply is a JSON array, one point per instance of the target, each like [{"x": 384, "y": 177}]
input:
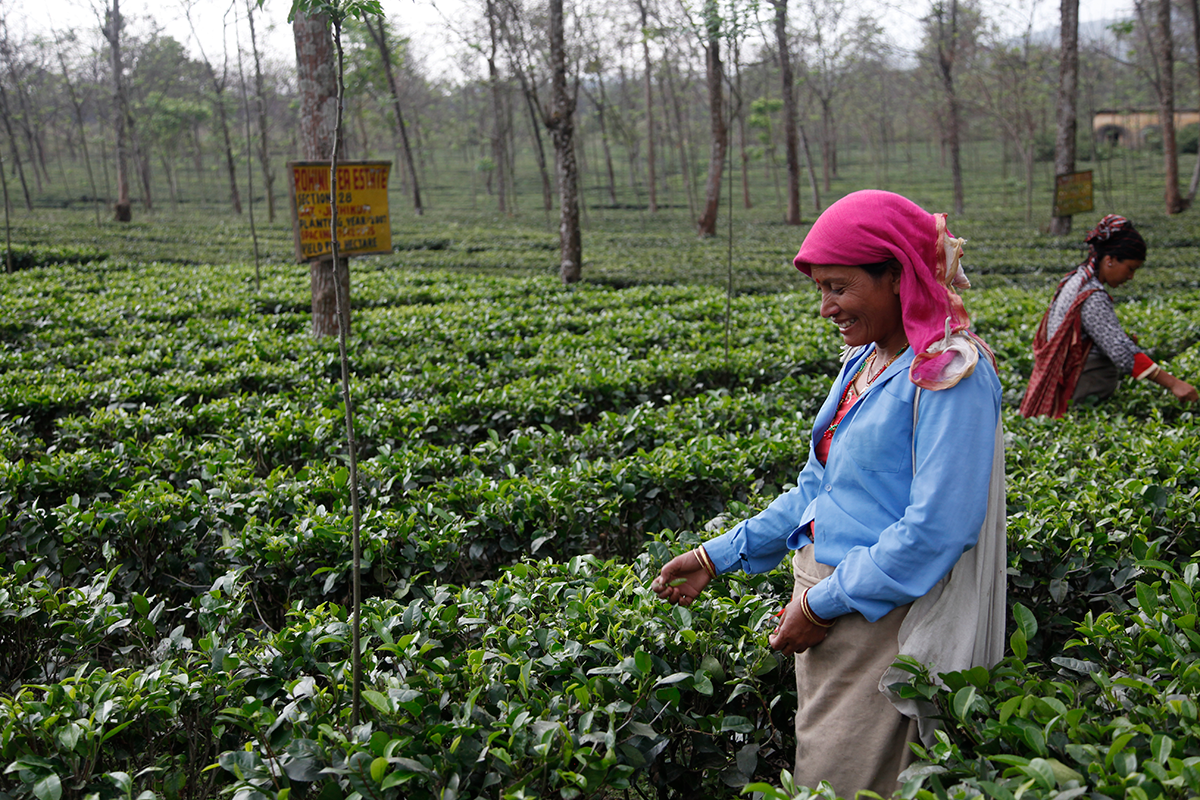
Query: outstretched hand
[
  {"x": 1185, "y": 391},
  {"x": 795, "y": 633},
  {"x": 681, "y": 580}
]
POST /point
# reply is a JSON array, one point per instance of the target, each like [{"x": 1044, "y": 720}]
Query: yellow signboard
[
  {"x": 1072, "y": 193},
  {"x": 364, "y": 223}
]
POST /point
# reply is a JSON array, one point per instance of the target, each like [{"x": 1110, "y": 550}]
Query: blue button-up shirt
[{"x": 890, "y": 528}]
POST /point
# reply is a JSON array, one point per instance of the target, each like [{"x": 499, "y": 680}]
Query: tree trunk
[
  {"x": 681, "y": 141},
  {"x": 707, "y": 225},
  {"x": 317, "y": 86},
  {"x": 1166, "y": 105},
  {"x": 791, "y": 144},
  {"x": 1194, "y": 5},
  {"x": 539, "y": 150},
  {"x": 26, "y": 120},
  {"x": 499, "y": 152},
  {"x": 561, "y": 122},
  {"x": 1027, "y": 155},
  {"x": 235, "y": 197},
  {"x": 198, "y": 152},
  {"x": 260, "y": 106},
  {"x": 12, "y": 144},
  {"x": 22, "y": 117},
  {"x": 827, "y": 165},
  {"x": 652, "y": 176},
  {"x": 812, "y": 172},
  {"x": 510, "y": 151},
  {"x": 104, "y": 165},
  {"x": 113, "y": 23},
  {"x": 167, "y": 160},
  {"x": 740, "y": 112},
  {"x": 629, "y": 136},
  {"x": 947, "y": 52},
  {"x": 379, "y": 34},
  {"x": 1068, "y": 91},
  {"x": 78, "y": 106},
  {"x": 601, "y": 105},
  {"x": 141, "y": 156}
]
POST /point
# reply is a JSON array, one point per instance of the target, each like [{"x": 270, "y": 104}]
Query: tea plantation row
[{"x": 175, "y": 551}]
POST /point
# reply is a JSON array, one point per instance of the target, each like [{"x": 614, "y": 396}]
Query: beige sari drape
[{"x": 847, "y": 731}]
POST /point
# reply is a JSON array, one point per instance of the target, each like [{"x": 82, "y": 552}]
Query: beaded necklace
[{"x": 849, "y": 384}]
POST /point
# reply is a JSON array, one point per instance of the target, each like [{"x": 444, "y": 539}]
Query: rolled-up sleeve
[{"x": 758, "y": 544}]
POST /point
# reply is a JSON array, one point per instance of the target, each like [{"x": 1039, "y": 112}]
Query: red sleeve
[{"x": 1143, "y": 366}]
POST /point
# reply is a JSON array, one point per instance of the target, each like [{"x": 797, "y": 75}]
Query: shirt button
[{"x": 828, "y": 487}]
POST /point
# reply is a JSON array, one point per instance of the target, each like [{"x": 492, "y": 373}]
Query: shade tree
[
  {"x": 1066, "y": 107},
  {"x": 950, "y": 39},
  {"x": 869, "y": 99},
  {"x": 163, "y": 86},
  {"x": 25, "y": 63},
  {"x": 829, "y": 44},
  {"x": 381, "y": 35},
  {"x": 1012, "y": 80},
  {"x": 1154, "y": 20},
  {"x": 8, "y": 115},
  {"x": 263, "y": 146},
  {"x": 218, "y": 81},
  {"x": 113, "y": 29}
]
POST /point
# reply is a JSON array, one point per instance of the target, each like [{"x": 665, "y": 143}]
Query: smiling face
[
  {"x": 865, "y": 309},
  {"x": 1115, "y": 271}
]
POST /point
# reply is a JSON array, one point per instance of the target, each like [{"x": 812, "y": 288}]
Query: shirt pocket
[{"x": 880, "y": 436}]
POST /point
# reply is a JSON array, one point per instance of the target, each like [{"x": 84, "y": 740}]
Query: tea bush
[
  {"x": 175, "y": 555},
  {"x": 22, "y": 256}
]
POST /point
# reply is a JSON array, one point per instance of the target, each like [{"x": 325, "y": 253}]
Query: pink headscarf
[{"x": 873, "y": 226}]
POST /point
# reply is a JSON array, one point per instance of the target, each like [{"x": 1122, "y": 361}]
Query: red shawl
[{"x": 1057, "y": 362}]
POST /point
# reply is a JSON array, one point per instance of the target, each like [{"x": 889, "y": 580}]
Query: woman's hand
[
  {"x": 681, "y": 580},
  {"x": 1185, "y": 391},
  {"x": 795, "y": 633},
  {"x": 1181, "y": 389}
]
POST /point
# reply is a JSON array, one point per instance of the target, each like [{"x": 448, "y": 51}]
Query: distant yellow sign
[
  {"x": 1072, "y": 193},
  {"x": 364, "y": 223}
]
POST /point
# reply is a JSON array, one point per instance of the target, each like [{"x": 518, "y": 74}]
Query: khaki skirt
[{"x": 847, "y": 732}]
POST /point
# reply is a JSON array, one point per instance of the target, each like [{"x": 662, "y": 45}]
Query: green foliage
[
  {"x": 335, "y": 9},
  {"x": 1188, "y": 138},
  {"x": 174, "y": 549},
  {"x": 30, "y": 256},
  {"x": 555, "y": 679}
]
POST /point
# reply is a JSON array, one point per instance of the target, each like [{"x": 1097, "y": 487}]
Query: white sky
[
  {"x": 418, "y": 19},
  {"x": 423, "y": 21}
]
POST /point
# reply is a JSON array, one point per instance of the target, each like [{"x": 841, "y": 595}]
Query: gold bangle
[
  {"x": 706, "y": 562},
  {"x": 810, "y": 615}
]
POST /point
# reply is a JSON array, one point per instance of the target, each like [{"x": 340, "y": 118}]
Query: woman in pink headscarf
[{"x": 896, "y": 524}]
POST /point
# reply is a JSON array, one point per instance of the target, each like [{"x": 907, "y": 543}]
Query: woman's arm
[
  {"x": 1101, "y": 324},
  {"x": 1181, "y": 389},
  {"x": 757, "y": 544}
]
